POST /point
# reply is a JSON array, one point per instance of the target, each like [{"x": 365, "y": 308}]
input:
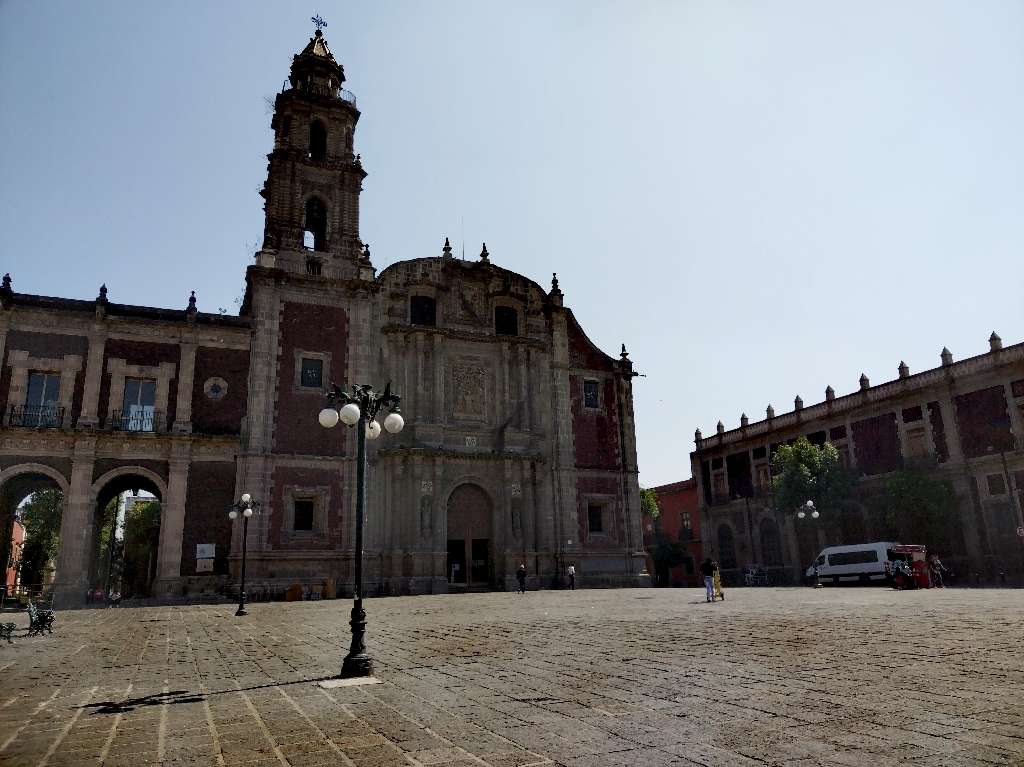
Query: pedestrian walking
[
  {"x": 707, "y": 569},
  {"x": 717, "y": 581},
  {"x": 572, "y": 577},
  {"x": 936, "y": 569},
  {"x": 521, "y": 577}
]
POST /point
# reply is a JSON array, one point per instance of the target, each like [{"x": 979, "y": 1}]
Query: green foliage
[
  {"x": 667, "y": 553},
  {"x": 917, "y": 507},
  {"x": 804, "y": 472},
  {"x": 41, "y": 517},
  {"x": 649, "y": 503},
  {"x": 141, "y": 538}
]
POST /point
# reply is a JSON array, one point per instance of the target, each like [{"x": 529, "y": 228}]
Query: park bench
[
  {"x": 7, "y": 630},
  {"x": 39, "y": 620}
]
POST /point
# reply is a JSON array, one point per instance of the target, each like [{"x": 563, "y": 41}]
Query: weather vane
[{"x": 320, "y": 23}]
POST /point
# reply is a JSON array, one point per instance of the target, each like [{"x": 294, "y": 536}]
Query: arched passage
[
  {"x": 126, "y": 540},
  {"x": 771, "y": 543},
  {"x": 470, "y": 544},
  {"x": 31, "y": 497}
]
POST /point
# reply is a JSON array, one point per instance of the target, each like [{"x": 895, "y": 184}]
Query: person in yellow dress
[{"x": 719, "y": 594}]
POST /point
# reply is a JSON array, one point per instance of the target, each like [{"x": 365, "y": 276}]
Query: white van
[{"x": 861, "y": 562}]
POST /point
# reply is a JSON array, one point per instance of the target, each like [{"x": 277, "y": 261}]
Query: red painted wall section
[
  {"x": 582, "y": 352},
  {"x": 211, "y": 491},
  {"x": 315, "y": 479},
  {"x": 139, "y": 353},
  {"x": 46, "y": 345},
  {"x": 309, "y": 328},
  {"x": 675, "y": 500},
  {"x": 224, "y": 415},
  {"x": 595, "y": 430},
  {"x": 983, "y": 421},
  {"x": 614, "y": 535},
  {"x": 876, "y": 441}
]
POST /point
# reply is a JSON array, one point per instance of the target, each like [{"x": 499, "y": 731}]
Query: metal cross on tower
[{"x": 319, "y": 22}]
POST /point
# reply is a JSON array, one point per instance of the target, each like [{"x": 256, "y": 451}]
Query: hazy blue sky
[{"x": 758, "y": 198}]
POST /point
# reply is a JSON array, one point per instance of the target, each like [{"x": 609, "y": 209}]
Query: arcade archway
[
  {"x": 470, "y": 540},
  {"x": 31, "y": 497}
]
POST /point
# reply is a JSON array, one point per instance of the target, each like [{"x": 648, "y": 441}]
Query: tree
[
  {"x": 649, "y": 504},
  {"x": 40, "y": 514},
  {"x": 915, "y": 506},
  {"x": 804, "y": 472},
  {"x": 141, "y": 539}
]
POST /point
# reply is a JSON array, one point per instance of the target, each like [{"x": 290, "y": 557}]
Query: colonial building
[
  {"x": 963, "y": 421},
  {"x": 679, "y": 523},
  {"x": 519, "y": 445}
]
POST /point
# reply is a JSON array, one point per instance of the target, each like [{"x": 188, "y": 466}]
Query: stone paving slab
[{"x": 847, "y": 676}]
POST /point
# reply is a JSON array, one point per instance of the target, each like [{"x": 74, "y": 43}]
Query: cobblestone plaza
[{"x": 851, "y": 676}]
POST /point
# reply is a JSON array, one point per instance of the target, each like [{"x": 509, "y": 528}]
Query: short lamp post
[
  {"x": 245, "y": 507},
  {"x": 810, "y": 510},
  {"x": 360, "y": 408}
]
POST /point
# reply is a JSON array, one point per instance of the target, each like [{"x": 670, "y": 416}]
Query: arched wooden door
[{"x": 470, "y": 544}]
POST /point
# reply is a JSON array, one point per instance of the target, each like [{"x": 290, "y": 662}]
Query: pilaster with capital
[{"x": 186, "y": 375}]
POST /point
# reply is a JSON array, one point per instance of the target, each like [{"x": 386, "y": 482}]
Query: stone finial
[
  {"x": 6, "y": 285},
  {"x": 365, "y": 255},
  {"x": 830, "y": 394},
  {"x": 697, "y": 436},
  {"x": 946, "y": 356},
  {"x": 744, "y": 421},
  {"x": 770, "y": 411},
  {"x": 798, "y": 403},
  {"x": 720, "y": 428},
  {"x": 554, "y": 283},
  {"x": 192, "y": 302},
  {"x": 6, "y": 294},
  {"x": 102, "y": 297},
  {"x": 624, "y": 355},
  {"x": 864, "y": 382},
  {"x": 485, "y": 257},
  {"x": 995, "y": 343},
  {"x": 904, "y": 370},
  {"x": 446, "y": 251}
]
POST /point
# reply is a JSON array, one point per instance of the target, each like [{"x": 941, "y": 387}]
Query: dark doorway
[
  {"x": 480, "y": 571},
  {"x": 456, "y": 561}
]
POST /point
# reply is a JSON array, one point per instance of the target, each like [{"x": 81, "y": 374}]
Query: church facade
[{"x": 519, "y": 443}]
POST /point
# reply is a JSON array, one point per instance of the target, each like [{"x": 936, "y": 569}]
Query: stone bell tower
[{"x": 313, "y": 176}]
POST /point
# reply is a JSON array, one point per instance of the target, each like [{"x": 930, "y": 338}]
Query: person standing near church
[
  {"x": 572, "y": 577},
  {"x": 707, "y": 569},
  {"x": 521, "y": 577}
]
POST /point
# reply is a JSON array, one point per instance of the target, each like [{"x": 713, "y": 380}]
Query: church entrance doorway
[{"x": 470, "y": 557}]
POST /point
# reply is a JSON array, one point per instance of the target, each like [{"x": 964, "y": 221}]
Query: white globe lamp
[
  {"x": 328, "y": 417},
  {"x": 247, "y": 512},
  {"x": 349, "y": 414},
  {"x": 232, "y": 514},
  {"x": 394, "y": 423},
  {"x": 246, "y": 498},
  {"x": 372, "y": 430}
]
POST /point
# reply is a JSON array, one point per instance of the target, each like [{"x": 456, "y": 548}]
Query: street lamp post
[
  {"x": 359, "y": 408},
  {"x": 245, "y": 507},
  {"x": 809, "y": 509}
]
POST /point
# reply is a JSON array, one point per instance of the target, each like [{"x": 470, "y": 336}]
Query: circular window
[{"x": 215, "y": 388}]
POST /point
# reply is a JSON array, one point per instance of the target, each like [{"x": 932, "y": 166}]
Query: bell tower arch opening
[{"x": 470, "y": 539}]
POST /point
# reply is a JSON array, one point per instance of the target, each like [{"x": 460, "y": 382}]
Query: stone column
[
  {"x": 949, "y": 425},
  {"x": 183, "y": 405},
  {"x": 77, "y": 525},
  {"x": 172, "y": 525},
  {"x": 89, "y": 417},
  {"x": 68, "y": 373}
]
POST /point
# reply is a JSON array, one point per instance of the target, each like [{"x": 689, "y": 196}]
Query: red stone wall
[
  {"x": 675, "y": 499},
  {"x": 983, "y": 421},
  {"x": 876, "y": 441},
  {"x": 139, "y": 353},
  {"x": 595, "y": 432},
  {"x": 307, "y": 478},
  {"x": 223, "y": 416},
  {"x": 52, "y": 345},
  {"x": 309, "y": 328},
  {"x": 211, "y": 491},
  {"x": 582, "y": 352}
]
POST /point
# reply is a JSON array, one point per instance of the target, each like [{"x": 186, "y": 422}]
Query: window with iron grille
[
  {"x": 591, "y": 394},
  {"x": 138, "y": 405},
  {"x": 312, "y": 373},
  {"x": 42, "y": 401},
  {"x": 595, "y": 521}
]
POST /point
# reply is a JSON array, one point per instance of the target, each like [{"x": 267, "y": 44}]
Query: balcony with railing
[
  {"x": 145, "y": 421},
  {"x": 321, "y": 89},
  {"x": 36, "y": 416}
]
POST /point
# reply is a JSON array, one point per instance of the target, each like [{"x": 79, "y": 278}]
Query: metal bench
[
  {"x": 7, "y": 630},
  {"x": 39, "y": 620}
]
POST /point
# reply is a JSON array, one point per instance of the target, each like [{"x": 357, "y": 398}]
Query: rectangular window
[
  {"x": 760, "y": 452},
  {"x": 423, "y": 311},
  {"x": 911, "y": 414},
  {"x": 764, "y": 477},
  {"x": 687, "y": 523},
  {"x": 312, "y": 373},
  {"x": 41, "y": 403},
  {"x": 137, "y": 410},
  {"x": 595, "y": 522},
  {"x": 996, "y": 484},
  {"x": 853, "y": 557},
  {"x": 590, "y": 394},
  {"x": 303, "y": 514},
  {"x": 1017, "y": 387},
  {"x": 506, "y": 321},
  {"x": 719, "y": 486},
  {"x": 837, "y": 432}
]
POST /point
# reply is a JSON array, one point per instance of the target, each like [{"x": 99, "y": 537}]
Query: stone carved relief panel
[{"x": 469, "y": 389}]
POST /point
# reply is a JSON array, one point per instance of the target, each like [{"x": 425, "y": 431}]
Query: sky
[{"x": 758, "y": 199}]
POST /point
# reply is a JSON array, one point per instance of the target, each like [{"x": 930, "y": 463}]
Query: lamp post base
[{"x": 356, "y": 666}]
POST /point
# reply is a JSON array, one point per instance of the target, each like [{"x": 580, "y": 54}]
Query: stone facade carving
[{"x": 470, "y": 389}]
